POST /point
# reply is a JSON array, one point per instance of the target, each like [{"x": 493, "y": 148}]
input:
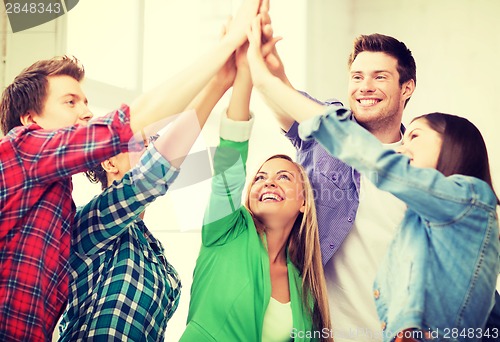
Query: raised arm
[
  {"x": 220, "y": 223},
  {"x": 173, "y": 96},
  {"x": 187, "y": 127},
  {"x": 152, "y": 176},
  {"x": 275, "y": 91},
  {"x": 239, "y": 105},
  {"x": 106, "y": 216},
  {"x": 274, "y": 64},
  {"x": 425, "y": 190}
]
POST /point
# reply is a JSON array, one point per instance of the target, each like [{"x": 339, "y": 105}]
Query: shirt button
[
  {"x": 332, "y": 246},
  {"x": 383, "y": 325},
  {"x": 349, "y": 219},
  {"x": 376, "y": 294}
]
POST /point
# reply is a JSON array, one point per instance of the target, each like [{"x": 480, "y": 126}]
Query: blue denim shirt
[{"x": 440, "y": 270}]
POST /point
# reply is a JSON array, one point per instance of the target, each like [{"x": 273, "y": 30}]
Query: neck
[
  {"x": 389, "y": 137},
  {"x": 277, "y": 238},
  {"x": 385, "y": 132},
  {"x": 111, "y": 178}
]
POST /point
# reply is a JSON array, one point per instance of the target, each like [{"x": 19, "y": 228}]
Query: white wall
[{"x": 21, "y": 49}]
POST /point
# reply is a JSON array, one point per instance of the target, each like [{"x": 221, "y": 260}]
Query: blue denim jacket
[{"x": 440, "y": 271}]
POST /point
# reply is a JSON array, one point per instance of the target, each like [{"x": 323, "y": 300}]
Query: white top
[
  {"x": 278, "y": 322},
  {"x": 351, "y": 271}
]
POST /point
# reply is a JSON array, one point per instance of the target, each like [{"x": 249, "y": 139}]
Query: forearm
[
  {"x": 284, "y": 99},
  {"x": 108, "y": 215},
  {"x": 206, "y": 100},
  {"x": 52, "y": 155},
  {"x": 284, "y": 119},
  {"x": 177, "y": 141},
  {"x": 422, "y": 189},
  {"x": 239, "y": 105},
  {"x": 173, "y": 96}
]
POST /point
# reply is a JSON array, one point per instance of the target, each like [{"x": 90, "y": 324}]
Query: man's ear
[
  {"x": 408, "y": 88},
  {"x": 28, "y": 118},
  {"x": 109, "y": 165}
]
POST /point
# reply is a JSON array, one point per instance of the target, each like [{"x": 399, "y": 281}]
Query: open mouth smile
[
  {"x": 270, "y": 197},
  {"x": 368, "y": 102}
]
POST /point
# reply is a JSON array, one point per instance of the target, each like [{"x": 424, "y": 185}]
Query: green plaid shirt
[{"x": 121, "y": 285}]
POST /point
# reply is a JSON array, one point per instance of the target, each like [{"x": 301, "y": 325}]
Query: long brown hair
[
  {"x": 29, "y": 89},
  {"x": 463, "y": 150},
  {"x": 305, "y": 253}
]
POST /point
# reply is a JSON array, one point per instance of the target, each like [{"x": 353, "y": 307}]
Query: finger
[
  {"x": 272, "y": 61},
  {"x": 268, "y": 47},
  {"x": 256, "y": 30},
  {"x": 254, "y": 37},
  {"x": 222, "y": 31},
  {"x": 266, "y": 18},
  {"x": 264, "y": 6},
  {"x": 267, "y": 31},
  {"x": 225, "y": 27}
]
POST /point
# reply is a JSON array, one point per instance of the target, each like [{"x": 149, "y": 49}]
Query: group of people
[{"x": 376, "y": 231}]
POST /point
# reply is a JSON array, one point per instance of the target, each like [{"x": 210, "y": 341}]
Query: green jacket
[{"x": 232, "y": 284}]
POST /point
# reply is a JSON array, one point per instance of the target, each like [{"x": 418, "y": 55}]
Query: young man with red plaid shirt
[{"x": 49, "y": 137}]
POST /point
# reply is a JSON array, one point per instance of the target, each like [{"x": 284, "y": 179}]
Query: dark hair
[
  {"x": 97, "y": 174},
  {"x": 376, "y": 42},
  {"x": 463, "y": 150},
  {"x": 28, "y": 91}
]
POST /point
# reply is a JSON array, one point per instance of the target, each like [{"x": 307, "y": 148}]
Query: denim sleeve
[
  {"x": 425, "y": 190},
  {"x": 293, "y": 133},
  {"x": 108, "y": 214}
]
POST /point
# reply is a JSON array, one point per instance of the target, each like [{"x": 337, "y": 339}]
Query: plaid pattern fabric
[
  {"x": 36, "y": 213},
  {"x": 121, "y": 286}
]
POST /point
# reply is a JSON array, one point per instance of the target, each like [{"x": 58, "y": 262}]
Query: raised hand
[
  {"x": 241, "y": 57},
  {"x": 287, "y": 104},
  {"x": 226, "y": 75},
  {"x": 241, "y": 22},
  {"x": 269, "y": 51},
  {"x": 255, "y": 57},
  {"x": 267, "y": 29}
]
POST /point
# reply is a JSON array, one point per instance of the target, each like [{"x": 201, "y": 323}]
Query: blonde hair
[{"x": 304, "y": 252}]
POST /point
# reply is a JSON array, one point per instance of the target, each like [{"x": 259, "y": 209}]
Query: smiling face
[
  {"x": 375, "y": 95},
  {"x": 65, "y": 105},
  {"x": 421, "y": 144},
  {"x": 277, "y": 190}
]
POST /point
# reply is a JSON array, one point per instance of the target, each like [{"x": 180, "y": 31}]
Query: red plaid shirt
[{"x": 36, "y": 213}]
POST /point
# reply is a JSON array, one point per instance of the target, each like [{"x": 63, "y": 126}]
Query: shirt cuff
[
  {"x": 153, "y": 168},
  {"x": 293, "y": 131},
  {"x": 309, "y": 127},
  {"x": 233, "y": 130}
]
